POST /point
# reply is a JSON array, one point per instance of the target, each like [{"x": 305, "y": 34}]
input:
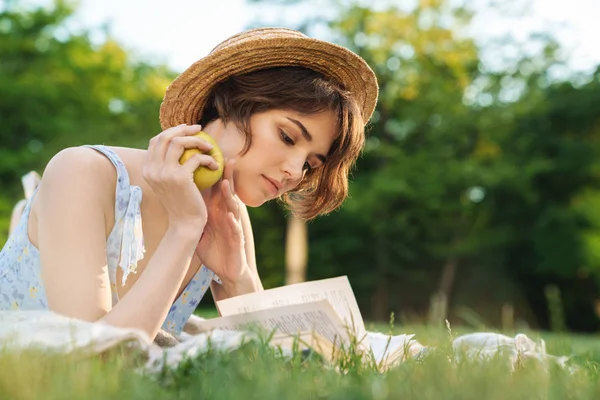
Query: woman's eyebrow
[
  {"x": 306, "y": 134},
  {"x": 305, "y": 131}
]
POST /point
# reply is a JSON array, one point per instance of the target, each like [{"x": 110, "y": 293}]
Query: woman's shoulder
[
  {"x": 79, "y": 179},
  {"x": 81, "y": 164},
  {"x": 95, "y": 162},
  {"x": 78, "y": 172},
  {"x": 85, "y": 157}
]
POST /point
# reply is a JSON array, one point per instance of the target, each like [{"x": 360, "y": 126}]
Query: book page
[
  {"x": 305, "y": 341},
  {"x": 387, "y": 350},
  {"x": 302, "y": 319},
  {"x": 335, "y": 290}
]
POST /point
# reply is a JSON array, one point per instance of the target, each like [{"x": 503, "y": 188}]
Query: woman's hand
[
  {"x": 172, "y": 182},
  {"x": 221, "y": 247}
]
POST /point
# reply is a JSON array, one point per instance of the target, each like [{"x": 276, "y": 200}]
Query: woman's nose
[{"x": 294, "y": 168}]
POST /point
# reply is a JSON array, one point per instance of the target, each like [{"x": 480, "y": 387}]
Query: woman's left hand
[{"x": 221, "y": 247}]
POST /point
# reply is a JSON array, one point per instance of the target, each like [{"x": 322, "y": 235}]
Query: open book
[{"x": 322, "y": 315}]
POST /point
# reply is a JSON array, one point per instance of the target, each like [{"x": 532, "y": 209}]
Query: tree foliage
[
  {"x": 477, "y": 181},
  {"x": 58, "y": 89}
]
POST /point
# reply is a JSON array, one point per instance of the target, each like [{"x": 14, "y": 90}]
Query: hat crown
[
  {"x": 258, "y": 34},
  {"x": 262, "y": 48}
]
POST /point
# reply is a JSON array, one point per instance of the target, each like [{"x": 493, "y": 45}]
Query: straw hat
[{"x": 265, "y": 48}]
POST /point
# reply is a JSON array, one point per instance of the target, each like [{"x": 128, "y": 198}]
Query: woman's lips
[{"x": 271, "y": 186}]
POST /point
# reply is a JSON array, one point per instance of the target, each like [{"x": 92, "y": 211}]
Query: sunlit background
[
  {"x": 476, "y": 197},
  {"x": 178, "y": 32}
]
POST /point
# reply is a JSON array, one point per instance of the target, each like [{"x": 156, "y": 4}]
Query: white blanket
[
  {"x": 48, "y": 331},
  {"x": 485, "y": 346},
  {"x": 51, "y": 332}
]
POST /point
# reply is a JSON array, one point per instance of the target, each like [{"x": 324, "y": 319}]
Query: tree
[{"x": 57, "y": 89}]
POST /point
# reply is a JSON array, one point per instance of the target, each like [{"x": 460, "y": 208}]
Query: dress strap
[{"x": 128, "y": 215}]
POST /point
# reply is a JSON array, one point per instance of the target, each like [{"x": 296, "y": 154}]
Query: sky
[{"x": 178, "y": 32}]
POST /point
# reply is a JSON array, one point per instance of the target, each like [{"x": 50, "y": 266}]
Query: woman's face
[{"x": 285, "y": 145}]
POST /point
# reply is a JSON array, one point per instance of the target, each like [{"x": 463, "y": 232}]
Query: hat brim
[{"x": 186, "y": 97}]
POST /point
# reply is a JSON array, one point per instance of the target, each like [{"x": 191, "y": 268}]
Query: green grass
[{"x": 254, "y": 371}]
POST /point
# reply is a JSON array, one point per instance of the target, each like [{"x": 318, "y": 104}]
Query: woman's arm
[
  {"x": 71, "y": 204},
  {"x": 147, "y": 303},
  {"x": 249, "y": 245},
  {"x": 220, "y": 292}
]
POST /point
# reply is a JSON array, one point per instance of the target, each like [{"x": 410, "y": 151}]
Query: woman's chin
[{"x": 251, "y": 201}]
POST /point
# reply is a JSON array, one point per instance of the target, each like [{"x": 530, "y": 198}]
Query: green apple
[{"x": 205, "y": 177}]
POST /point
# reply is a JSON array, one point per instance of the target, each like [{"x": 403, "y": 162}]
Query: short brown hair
[{"x": 308, "y": 92}]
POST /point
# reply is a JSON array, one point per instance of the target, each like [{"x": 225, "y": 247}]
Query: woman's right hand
[{"x": 172, "y": 182}]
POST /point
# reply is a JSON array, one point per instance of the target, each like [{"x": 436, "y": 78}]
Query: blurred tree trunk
[
  {"x": 380, "y": 300},
  {"x": 438, "y": 308},
  {"x": 448, "y": 276},
  {"x": 296, "y": 250}
]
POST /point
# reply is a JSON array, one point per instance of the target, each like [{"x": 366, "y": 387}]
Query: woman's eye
[{"x": 285, "y": 137}]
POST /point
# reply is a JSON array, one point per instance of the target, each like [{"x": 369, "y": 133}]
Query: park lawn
[{"x": 255, "y": 371}]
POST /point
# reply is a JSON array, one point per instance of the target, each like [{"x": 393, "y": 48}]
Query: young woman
[{"x": 124, "y": 236}]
